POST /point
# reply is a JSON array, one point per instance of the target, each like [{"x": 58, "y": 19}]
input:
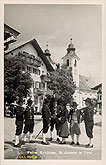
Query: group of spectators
[{"x": 58, "y": 115}]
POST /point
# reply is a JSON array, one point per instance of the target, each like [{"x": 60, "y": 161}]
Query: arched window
[
  {"x": 67, "y": 62},
  {"x": 75, "y": 64}
]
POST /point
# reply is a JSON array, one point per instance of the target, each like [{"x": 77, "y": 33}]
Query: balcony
[{"x": 30, "y": 59}]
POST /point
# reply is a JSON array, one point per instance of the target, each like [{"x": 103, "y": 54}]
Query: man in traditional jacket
[
  {"x": 19, "y": 112},
  {"x": 87, "y": 114},
  {"x": 53, "y": 116},
  {"x": 46, "y": 115},
  {"x": 29, "y": 120}
]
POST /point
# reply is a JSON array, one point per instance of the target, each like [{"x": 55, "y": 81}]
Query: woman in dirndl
[
  {"x": 63, "y": 129},
  {"x": 74, "y": 120}
]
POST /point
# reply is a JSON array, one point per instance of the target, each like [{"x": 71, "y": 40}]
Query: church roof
[
  {"x": 47, "y": 51},
  {"x": 71, "y": 54},
  {"x": 37, "y": 48},
  {"x": 71, "y": 51},
  {"x": 85, "y": 83}
]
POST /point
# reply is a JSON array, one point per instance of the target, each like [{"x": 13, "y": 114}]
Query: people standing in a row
[
  {"x": 74, "y": 117},
  {"x": 55, "y": 118}
]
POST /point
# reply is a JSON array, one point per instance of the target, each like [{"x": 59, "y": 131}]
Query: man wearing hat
[
  {"x": 46, "y": 115},
  {"x": 19, "y": 112},
  {"x": 74, "y": 120},
  {"x": 87, "y": 114},
  {"x": 29, "y": 120}
]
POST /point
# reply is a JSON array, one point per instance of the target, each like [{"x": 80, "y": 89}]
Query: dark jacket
[
  {"x": 29, "y": 111},
  {"x": 88, "y": 113},
  {"x": 19, "y": 111},
  {"x": 46, "y": 115},
  {"x": 52, "y": 108},
  {"x": 63, "y": 116},
  {"x": 71, "y": 114}
]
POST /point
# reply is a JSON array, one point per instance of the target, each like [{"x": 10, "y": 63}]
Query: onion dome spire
[
  {"x": 47, "y": 51},
  {"x": 71, "y": 46}
]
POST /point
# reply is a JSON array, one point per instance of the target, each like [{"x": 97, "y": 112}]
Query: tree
[
  {"x": 17, "y": 82},
  {"x": 61, "y": 83}
]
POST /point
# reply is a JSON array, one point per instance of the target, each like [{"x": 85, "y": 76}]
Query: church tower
[{"x": 72, "y": 60}]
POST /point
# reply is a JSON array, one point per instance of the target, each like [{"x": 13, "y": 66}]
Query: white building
[
  {"x": 38, "y": 66},
  {"x": 83, "y": 83}
]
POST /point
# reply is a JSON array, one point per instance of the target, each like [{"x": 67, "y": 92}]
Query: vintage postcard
[{"x": 53, "y": 82}]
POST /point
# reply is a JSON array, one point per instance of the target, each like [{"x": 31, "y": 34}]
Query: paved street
[{"x": 54, "y": 150}]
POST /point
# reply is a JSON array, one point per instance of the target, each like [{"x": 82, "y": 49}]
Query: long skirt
[{"x": 63, "y": 131}]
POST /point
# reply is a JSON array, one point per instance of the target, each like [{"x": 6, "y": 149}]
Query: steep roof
[
  {"x": 11, "y": 30},
  {"x": 86, "y": 83},
  {"x": 37, "y": 48},
  {"x": 97, "y": 86},
  {"x": 71, "y": 54}
]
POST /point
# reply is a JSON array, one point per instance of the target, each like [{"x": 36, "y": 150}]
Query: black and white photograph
[{"x": 53, "y": 82}]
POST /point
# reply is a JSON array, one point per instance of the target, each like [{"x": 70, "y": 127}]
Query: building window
[
  {"x": 38, "y": 72},
  {"x": 33, "y": 84},
  {"x": 43, "y": 85},
  {"x": 67, "y": 62},
  {"x": 36, "y": 84},
  {"x": 100, "y": 106},
  {"x": 29, "y": 69},
  {"x": 34, "y": 71},
  {"x": 75, "y": 64},
  {"x": 100, "y": 97},
  {"x": 40, "y": 85}
]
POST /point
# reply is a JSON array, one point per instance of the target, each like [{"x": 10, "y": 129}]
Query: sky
[{"x": 57, "y": 24}]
